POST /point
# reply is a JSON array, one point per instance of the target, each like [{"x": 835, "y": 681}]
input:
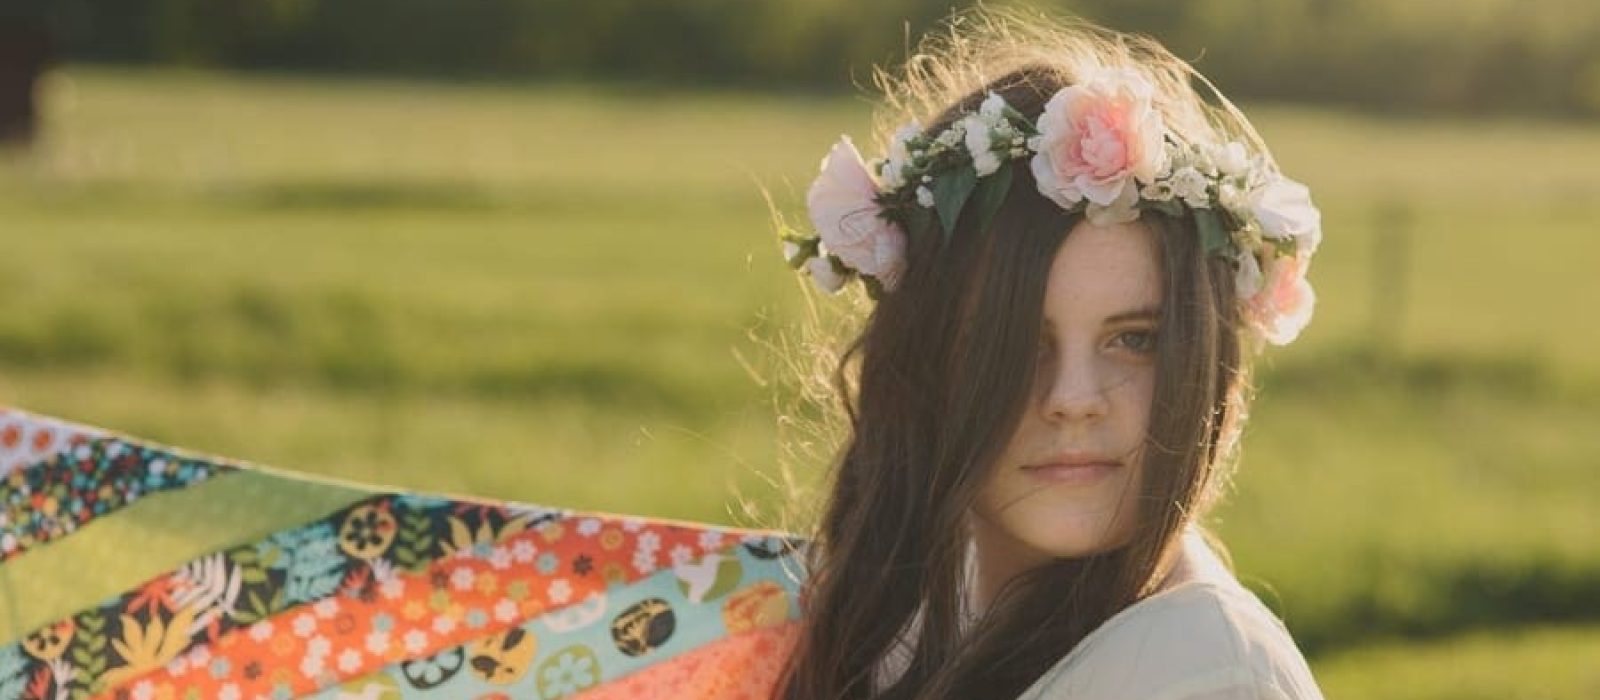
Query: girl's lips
[{"x": 1071, "y": 473}]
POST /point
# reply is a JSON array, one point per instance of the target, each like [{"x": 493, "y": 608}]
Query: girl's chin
[{"x": 1067, "y": 540}]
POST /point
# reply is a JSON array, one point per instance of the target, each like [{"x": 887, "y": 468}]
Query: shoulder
[{"x": 1203, "y": 640}]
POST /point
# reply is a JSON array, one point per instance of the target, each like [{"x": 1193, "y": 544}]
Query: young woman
[{"x": 1073, "y": 245}]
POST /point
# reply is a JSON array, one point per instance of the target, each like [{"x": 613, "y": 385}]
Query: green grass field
[{"x": 543, "y": 294}]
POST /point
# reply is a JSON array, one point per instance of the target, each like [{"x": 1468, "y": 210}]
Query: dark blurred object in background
[{"x": 27, "y": 47}]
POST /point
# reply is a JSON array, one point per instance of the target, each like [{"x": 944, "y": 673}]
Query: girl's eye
[{"x": 1142, "y": 341}]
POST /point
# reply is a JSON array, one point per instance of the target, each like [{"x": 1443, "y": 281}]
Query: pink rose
[
  {"x": 1096, "y": 138},
  {"x": 1282, "y": 306},
  {"x": 841, "y": 205}
]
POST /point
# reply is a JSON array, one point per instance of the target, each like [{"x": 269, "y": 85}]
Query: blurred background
[{"x": 520, "y": 249}]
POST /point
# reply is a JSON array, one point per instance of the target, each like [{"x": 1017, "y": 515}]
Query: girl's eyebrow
[{"x": 1143, "y": 313}]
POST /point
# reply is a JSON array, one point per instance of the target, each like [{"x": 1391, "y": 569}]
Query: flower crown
[{"x": 1100, "y": 147}]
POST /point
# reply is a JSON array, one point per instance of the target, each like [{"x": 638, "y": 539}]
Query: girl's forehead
[{"x": 1103, "y": 274}]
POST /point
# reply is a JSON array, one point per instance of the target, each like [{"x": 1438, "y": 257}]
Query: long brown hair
[{"x": 937, "y": 379}]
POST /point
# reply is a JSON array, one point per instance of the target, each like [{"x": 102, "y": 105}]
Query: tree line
[{"x": 1539, "y": 56}]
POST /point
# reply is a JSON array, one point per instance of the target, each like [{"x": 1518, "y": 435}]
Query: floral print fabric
[
  {"x": 85, "y": 478},
  {"x": 406, "y": 596},
  {"x": 26, "y": 439}
]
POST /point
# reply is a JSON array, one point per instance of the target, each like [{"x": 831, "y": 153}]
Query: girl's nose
[{"x": 1076, "y": 391}]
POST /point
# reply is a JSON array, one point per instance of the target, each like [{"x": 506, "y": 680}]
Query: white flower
[
  {"x": 1284, "y": 209},
  {"x": 710, "y": 540},
  {"x": 588, "y": 527},
  {"x": 311, "y": 666},
  {"x": 842, "y": 207},
  {"x": 985, "y": 163},
  {"x": 261, "y": 631},
  {"x": 1098, "y": 139},
  {"x": 444, "y": 624},
  {"x": 505, "y": 610},
  {"x": 392, "y": 588},
  {"x": 644, "y": 561},
  {"x": 461, "y": 579},
  {"x": 1177, "y": 157},
  {"x": 560, "y": 591},
  {"x": 650, "y": 541},
  {"x": 924, "y": 196},
  {"x": 1202, "y": 158},
  {"x": 326, "y": 607},
  {"x": 500, "y": 558},
  {"x": 524, "y": 551},
  {"x": 304, "y": 624},
  {"x": 893, "y": 169},
  {"x": 1231, "y": 159},
  {"x": 993, "y": 107},
  {"x": 822, "y": 273},
  {"x": 1233, "y": 199},
  {"x": 144, "y": 690},
  {"x": 228, "y": 692},
  {"x": 979, "y": 144},
  {"x": 319, "y": 646},
  {"x": 953, "y": 135},
  {"x": 349, "y": 661},
  {"x": 1158, "y": 191},
  {"x": 891, "y": 179},
  {"x": 1123, "y": 210},
  {"x": 377, "y": 641},
  {"x": 680, "y": 555},
  {"x": 1190, "y": 184},
  {"x": 416, "y": 641}
]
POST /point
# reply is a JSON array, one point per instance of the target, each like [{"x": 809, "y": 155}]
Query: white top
[{"x": 1206, "y": 637}]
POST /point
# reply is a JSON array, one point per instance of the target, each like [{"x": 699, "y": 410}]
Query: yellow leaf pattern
[{"x": 145, "y": 648}]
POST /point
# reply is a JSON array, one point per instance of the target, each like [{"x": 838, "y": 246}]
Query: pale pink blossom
[
  {"x": 1282, "y": 306},
  {"x": 1098, "y": 140},
  {"x": 841, "y": 205}
]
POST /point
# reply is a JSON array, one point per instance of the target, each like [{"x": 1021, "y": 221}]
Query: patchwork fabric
[
  {"x": 27, "y": 439},
  {"x": 394, "y": 595},
  {"x": 87, "y": 478}
]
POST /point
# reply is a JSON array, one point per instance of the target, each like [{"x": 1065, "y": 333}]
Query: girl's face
[{"x": 1068, "y": 481}]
